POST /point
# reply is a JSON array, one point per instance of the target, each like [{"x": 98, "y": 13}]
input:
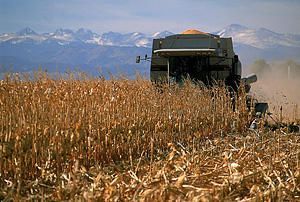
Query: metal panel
[{"x": 183, "y": 52}]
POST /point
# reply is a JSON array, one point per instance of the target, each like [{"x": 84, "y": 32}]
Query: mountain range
[
  {"x": 67, "y": 36},
  {"x": 114, "y": 51}
]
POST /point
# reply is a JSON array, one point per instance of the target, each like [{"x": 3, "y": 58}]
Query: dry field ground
[{"x": 90, "y": 139}]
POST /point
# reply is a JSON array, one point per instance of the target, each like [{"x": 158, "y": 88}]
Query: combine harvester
[{"x": 201, "y": 57}]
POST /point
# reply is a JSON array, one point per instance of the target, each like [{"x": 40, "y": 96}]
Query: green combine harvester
[{"x": 200, "y": 57}]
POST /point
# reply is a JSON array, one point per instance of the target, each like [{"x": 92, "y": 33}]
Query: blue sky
[{"x": 150, "y": 16}]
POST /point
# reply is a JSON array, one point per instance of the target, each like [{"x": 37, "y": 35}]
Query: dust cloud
[{"x": 279, "y": 87}]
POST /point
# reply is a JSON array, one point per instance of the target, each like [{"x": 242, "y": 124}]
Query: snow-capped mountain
[
  {"x": 161, "y": 34},
  {"x": 65, "y": 36},
  {"x": 26, "y": 35},
  {"x": 26, "y": 31},
  {"x": 130, "y": 39},
  {"x": 61, "y": 34},
  {"x": 85, "y": 35},
  {"x": 259, "y": 38}
]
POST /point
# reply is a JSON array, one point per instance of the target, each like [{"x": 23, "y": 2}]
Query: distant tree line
[{"x": 285, "y": 69}]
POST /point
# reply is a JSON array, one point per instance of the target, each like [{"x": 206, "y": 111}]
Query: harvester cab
[{"x": 199, "y": 56}]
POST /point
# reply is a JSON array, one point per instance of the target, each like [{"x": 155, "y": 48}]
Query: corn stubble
[{"x": 82, "y": 138}]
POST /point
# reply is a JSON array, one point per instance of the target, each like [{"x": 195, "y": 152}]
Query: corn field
[{"x": 76, "y": 137}]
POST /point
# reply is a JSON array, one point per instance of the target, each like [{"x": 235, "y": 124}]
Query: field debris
[{"x": 80, "y": 138}]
